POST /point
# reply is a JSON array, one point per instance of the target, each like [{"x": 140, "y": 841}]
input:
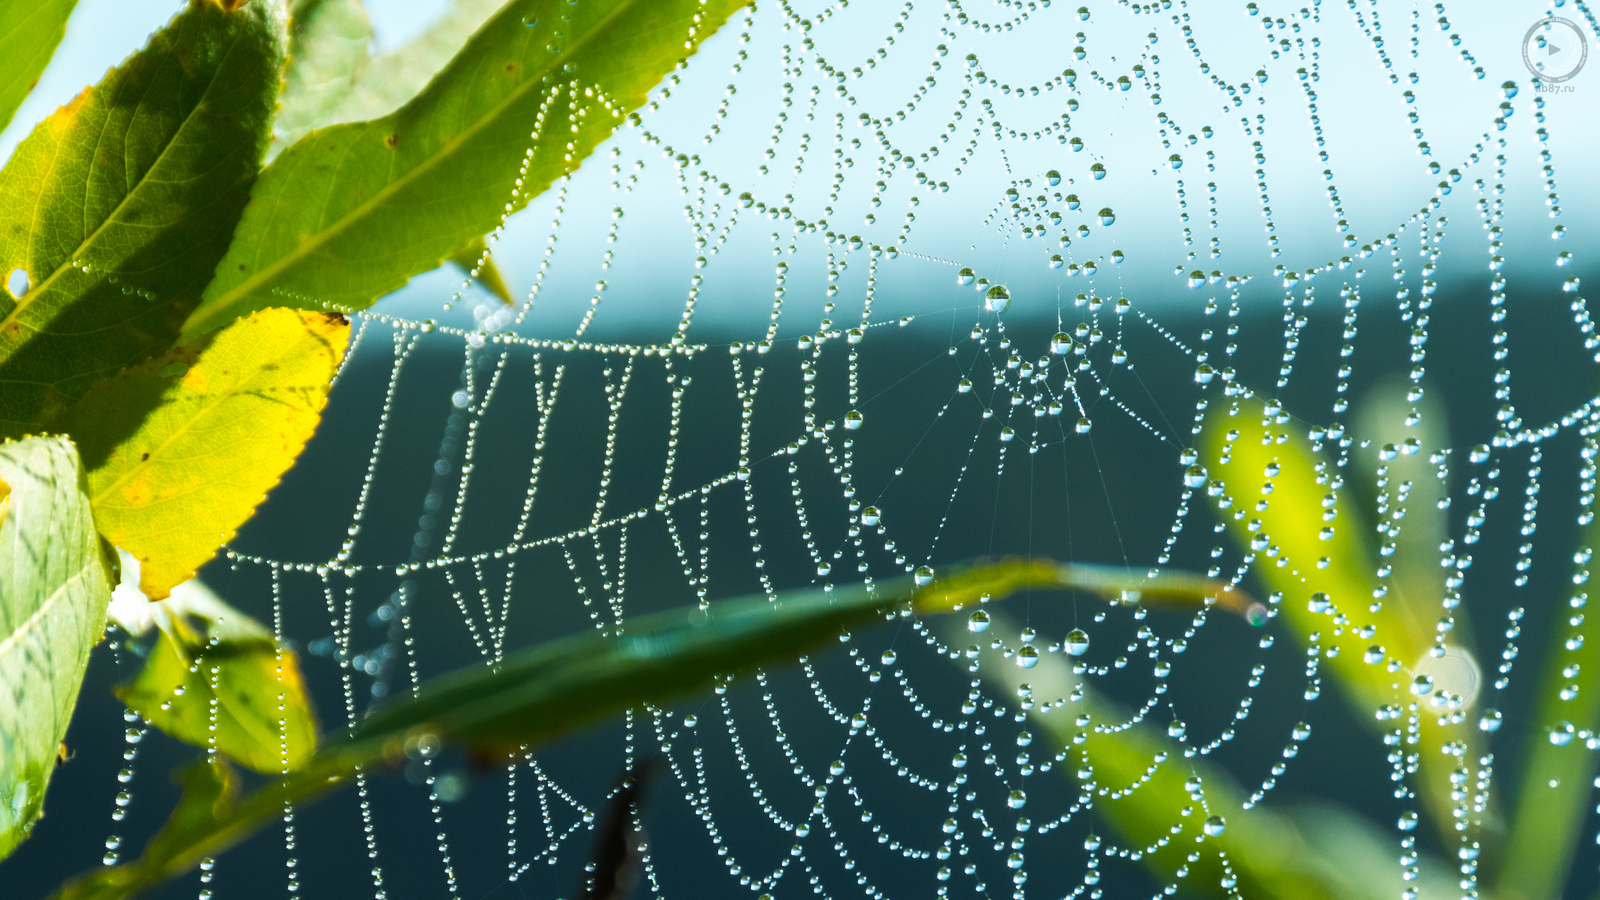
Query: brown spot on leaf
[{"x": 392, "y": 141}]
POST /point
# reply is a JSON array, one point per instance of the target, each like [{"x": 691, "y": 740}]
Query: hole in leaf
[{"x": 17, "y": 282}]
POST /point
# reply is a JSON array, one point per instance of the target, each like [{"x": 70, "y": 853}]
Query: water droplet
[
  {"x": 1176, "y": 730},
  {"x": 530, "y": 21},
  {"x": 1479, "y": 454},
  {"x": 1061, "y": 343},
  {"x": 1098, "y": 170},
  {"x": 1194, "y": 477},
  {"x": 1084, "y": 425},
  {"x": 1203, "y": 374},
  {"x": 1490, "y": 720},
  {"x": 1016, "y": 799},
  {"x": 870, "y": 516},
  {"x": 966, "y": 277},
  {"x": 1175, "y": 161},
  {"x": 923, "y": 575},
  {"x": 836, "y": 768},
  {"x": 852, "y": 420},
  {"x": 978, "y": 622},
  {"x": 1374, "y": 655},
  {"x": 1052, "y": 177},
  {"x": 1319, "y": 602},
  {"x": 1407, "y": 822},
  {"x": 1107, "y": 216},
  {"x": 1508, "y": 90},
  {"x": 1561, "y": 734},
  {"x": 1301, "y": 731},
  {"x": 997, "y": 299},
  {"x": 1215, "y": 826},
  {"x": 1422, "y": 685},
  {"x": 1077, "y": 642},
  {"x": 17, "y": 282},
  {"x": 1028, "y": 656}
]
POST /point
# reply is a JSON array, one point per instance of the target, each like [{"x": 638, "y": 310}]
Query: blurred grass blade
[
  {"x": 131, "y": 192},
  {"x": 1321, "y": 566},
  {"x": 338, "y": 236},
  {"x": 29, "y": 32},
  {"x": 1418, "y": 581},
  {"x": 1552, "y": 803},
  {"x": 541, "y": 693},
  {"x": 1271, "y": 854},
  {"x": 217, "y": 675},
  {"x": 1116, "y": 584},
  {"x": 183, "y": 447},
  {"x": 53, "y": 596}
]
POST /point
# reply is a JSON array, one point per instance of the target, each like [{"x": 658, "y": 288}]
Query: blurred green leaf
[
  {"x": 53, "y": 596},
  {"x": 119, "y": 205},
  {"x": 547, "y": 691},
  {"x": 207, "y": 652},
  {"x": 183, "y": 447},
  {"x": 332, "y": 79},
  {"x": 1552, "y": 802},
  {"x": 328, "y": 41},
  {"x": 351, "y": 212},
  {"x": 29, "y": 32},
  {"x": 1314, "y": 560}
]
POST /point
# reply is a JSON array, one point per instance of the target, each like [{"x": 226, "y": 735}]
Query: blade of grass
[
  {"x": 1271, "y": 853},
  {"x": 1278, "y": 517},
  {"x": 538, "y": 694},
  {"x": 1552, "y": 802}
]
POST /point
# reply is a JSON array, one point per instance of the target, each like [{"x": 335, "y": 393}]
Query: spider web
[{"x": 868, "y": 288}]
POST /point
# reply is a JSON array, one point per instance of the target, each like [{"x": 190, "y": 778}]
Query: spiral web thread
[{"x": 859, "y": 144}]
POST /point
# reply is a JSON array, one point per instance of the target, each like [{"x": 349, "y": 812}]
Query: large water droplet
[
  {"x": 1077, "y": 642},
  {"x": 997, "y": 299},
  {"x": 1028, "y": 656},
  {"x": 966, "y": 277},
  {"x": 1016, "y": 799},
  {"x": 1194, "y": 477},
  {"x": 978, "y": 622},
  {"x": 853, "y": 420},
  {"x": 1215, "y": 826},
  {"x": 1052, "y": 177},
  {"x": 870, "y": 516},
  {"x": 1107, "y": 216},
  {"x": 923, "y": 575}
]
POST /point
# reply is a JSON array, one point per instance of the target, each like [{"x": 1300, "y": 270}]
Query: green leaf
[
  {"x": 547, "y": 691},
  {"x": 53, "y": 595},
  {"x": 351, "y": 212},
  {"x": 1287, "y": 525},
  {"x": 331, "y": 79},
  {"x": 328, "y": 41},
  {"x": 476, "y": 261},
  {"x": 119, "y": 205},
  {"x": 183, "y": 447},
  {"x": 209, "y": 653},
  {"x": 29, "y": 32}
]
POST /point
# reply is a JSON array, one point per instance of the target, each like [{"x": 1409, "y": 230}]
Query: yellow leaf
[{"x": 178, "y": 461}]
